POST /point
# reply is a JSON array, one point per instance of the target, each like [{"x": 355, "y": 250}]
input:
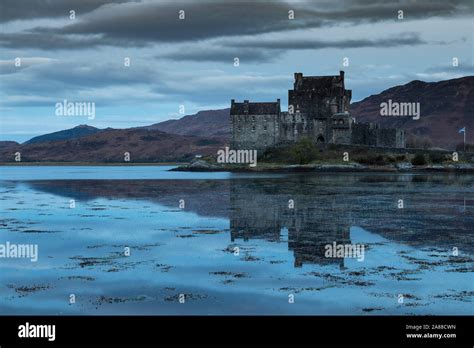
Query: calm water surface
[{"x": 241, "y": 244}]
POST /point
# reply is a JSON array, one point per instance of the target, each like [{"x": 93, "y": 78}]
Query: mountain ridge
[
  {"x": 446, "y": 106},
  {"x": 71, "y": 133},
  {"x": 112, "y": 146}
]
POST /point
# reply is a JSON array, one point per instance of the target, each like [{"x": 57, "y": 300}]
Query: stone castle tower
[{"x": 318, "y": 108}]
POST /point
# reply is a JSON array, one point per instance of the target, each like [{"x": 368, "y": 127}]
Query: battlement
[
  {"x": 315, "y": 83},
  {"x": 254, "y": 108}
]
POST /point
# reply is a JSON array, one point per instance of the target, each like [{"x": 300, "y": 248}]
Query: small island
[{"x": 305, "y": 156}]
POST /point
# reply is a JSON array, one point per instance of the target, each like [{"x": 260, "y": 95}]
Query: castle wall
[
  {"x": 386, "y": 137},
  {"x": 310, "y": 103},
  {"x": 364, "y": 134},
  {"x": 321, "y": 131},
  {"x": 254, "y": 132},
  {"x": 297, "y": 125},
  {"x": 370, "y": 134},
  {"x": 341, "y": 128},
  {"x": 400, "y": 139},
  {"x": 341, "y": 136},
  {"x": 390, "y": 137}
]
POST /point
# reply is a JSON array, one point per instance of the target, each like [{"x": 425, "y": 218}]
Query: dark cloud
[
  {"x": 220, "y": 54},
  {"x": 41, "y": 81},
  {"x": 265, "y": 50},
  {"x": 54, "y": 41},
  {"x": 212, "y": 31},
  {"x": 405, "y": 39},
  {"x": 53, "y": 78},
  {"x": 11, "y": 10},
  {"x": 159, "y": 22},
  {"x": 138, "y": 24},
  {"x": 374, "y": 11},
  {"x": 48, "y": 41}
]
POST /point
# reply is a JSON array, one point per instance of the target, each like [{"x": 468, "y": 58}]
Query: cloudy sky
[{"x": 80, "y": 56}]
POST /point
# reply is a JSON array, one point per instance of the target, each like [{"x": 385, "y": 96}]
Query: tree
[{"x": 303, "y": 152}]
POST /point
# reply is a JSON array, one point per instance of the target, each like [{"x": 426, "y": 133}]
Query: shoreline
[{"x": 461, "y": 168}]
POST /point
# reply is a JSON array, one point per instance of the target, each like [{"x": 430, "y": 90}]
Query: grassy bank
[
  {"x": 306, "y": 152},
  {"x": 307, "y": 156}
]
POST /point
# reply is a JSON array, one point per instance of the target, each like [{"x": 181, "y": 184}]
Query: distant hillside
[
  {"x": 209, "y": 123},
  {"x": 445, "y": 106},
  {"x": 5, "y": 144},
  {"x": 73, "y": 133},
  {"x": 110, "y": 145}
]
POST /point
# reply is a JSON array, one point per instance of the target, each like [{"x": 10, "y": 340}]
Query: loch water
[{"x": 227, "y": 243}]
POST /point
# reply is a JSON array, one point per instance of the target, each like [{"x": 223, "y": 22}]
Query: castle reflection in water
[
  {"x": 325, "y": 207},
  {"x": 262, "y": 211}
]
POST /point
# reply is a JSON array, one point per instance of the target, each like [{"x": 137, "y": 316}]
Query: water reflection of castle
[
  {"x": 261, "y": 211},
  {"x": 325, "y": 206}
]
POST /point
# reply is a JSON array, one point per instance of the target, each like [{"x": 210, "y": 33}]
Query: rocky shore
[{"x": 199, "y": 165}]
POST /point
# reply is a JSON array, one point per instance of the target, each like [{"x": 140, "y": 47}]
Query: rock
[
  {"x": 343, "y": 166},
  {"x": 436, "y": 167},
  {"x": 198, "y": 165},
  {"x": 467, "y": 166},
  {"x": 404, "y": 165},
  {"x": 340, "y": 167}
]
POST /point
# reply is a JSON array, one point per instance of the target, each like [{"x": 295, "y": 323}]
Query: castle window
[
  {"x": 253, "y": 128},
  {"x": 264, "y": 128},
  {"x": 253, "y": 118}
]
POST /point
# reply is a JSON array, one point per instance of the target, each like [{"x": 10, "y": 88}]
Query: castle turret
[
  {"x": 298, "y": 79},
  {"x": 246, "y": 107}
]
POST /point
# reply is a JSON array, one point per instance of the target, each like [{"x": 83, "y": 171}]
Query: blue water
[
  {"x": 114, "y": 173},
  {"x": 235, "y": 247}
]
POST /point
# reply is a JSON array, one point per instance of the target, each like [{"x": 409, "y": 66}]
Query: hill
[
  {"x": 68, "y": 134},
  {"x": 208, "y": 123},
  {"x": 445, "y": 107},
  {"x": 110, "y": 145}
]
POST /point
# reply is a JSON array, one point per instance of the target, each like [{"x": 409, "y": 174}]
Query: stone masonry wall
[
  {"x": 364, "y": 134},
  {"x": 254, "y": 132}
]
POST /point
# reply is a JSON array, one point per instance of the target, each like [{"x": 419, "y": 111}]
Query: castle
[{"x": 318, "y": 108}]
